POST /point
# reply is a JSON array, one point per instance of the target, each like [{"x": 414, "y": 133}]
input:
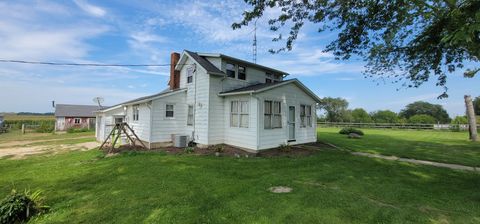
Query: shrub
[
  {"x": 188, "y": 150},
  {"x": 421, "y": 119},
  {"x": 218, "y": 148},
  {"x": 285, "y": 148},
  {"x": 346, "y": 131},
  {"x": 45, "y": 128},
  {"x": 20, "y": 207}
]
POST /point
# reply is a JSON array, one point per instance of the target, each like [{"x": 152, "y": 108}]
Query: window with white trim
[
  {"x": 272, "y": 114},
  {"x": 77, "y": 121},
  {"x": 136, "y": 112},
  {"x": 269, "y": 77},
  {"x": 305, "y": 116},
  {"x": 231, "y": 70},
  {"x": 239, "y": 114},
  {"x": 169, "y": 110},
  {"x": 242, "y": 72},
  {"x": 190, "y": 115},
  {"x": 190, "y": 71}
]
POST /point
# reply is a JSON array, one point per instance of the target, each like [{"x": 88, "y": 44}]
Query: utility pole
[{"x": 472, "y": 122}]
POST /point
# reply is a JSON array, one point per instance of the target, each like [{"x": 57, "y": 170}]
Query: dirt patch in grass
[{"x": 21, "y": 152}]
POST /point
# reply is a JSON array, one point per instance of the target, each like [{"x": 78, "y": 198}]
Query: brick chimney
[{"x": 174, "y": 82}]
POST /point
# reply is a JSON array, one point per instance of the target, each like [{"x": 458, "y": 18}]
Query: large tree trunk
[{"x": 472, "y": 122}]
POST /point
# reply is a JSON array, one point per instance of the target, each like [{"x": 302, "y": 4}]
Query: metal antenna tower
[{"x": 255, "y": 42}]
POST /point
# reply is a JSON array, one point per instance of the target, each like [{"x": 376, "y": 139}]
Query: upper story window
[
  {"x": 242, "y": 73},
  {"x": 231, "y": 70},
  {"x": 136, "y": 112},
  {"x": 169, "y": 110},
  {"x": 190, "y": 71},
  {"x": 236, "y": 71},
  {"x": 269, "y": 77}
]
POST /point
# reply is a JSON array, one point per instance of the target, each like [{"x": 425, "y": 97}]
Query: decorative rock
[
  {"x": 217, "y": 154},
  {"x": 280, "y": 189},
  {"x": 237, "y": 155},
  {"x": 354, "y": 135}
]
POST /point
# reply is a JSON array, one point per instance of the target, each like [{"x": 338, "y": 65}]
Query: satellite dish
[{"x": 98, "y": 100}]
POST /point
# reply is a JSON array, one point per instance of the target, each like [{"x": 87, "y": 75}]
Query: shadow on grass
[
  {"x": 327, "y": 187},
  {"x": 433, "y": 149}
]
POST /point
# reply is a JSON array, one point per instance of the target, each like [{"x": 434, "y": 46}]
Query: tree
[
  {"x": 460, "y": 120},
  {"x": 359, "y": 115},
  {"x": 420, "y": 107},
  {"x": 409, "y": 41},
  {"x": 336, "y": 108},
  {"x": 476, "y": 105},
  {"x": 421, "y": 119},
  {"x": 384, "y": 116},
  {"x": 472, "y": 122}
]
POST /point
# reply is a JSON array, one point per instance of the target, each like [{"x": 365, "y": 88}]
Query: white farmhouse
[{"x": 217, "y": 99}]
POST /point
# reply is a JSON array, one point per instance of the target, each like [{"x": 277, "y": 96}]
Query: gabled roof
[
  {"x": 166, "y": 92},
  {"x": 261, "y": 87},
  {"x": 68, "y": 110},
  {"x": 200, "y": 58}
]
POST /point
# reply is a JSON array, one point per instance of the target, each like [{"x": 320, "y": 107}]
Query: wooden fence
[{"x": 459, "y": 127}]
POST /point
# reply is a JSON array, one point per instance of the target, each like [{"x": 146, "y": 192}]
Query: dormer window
[
  {"x": 272, "y": 78},
  {"x": 242, "y": 73},
  {"x": 231, "y": 70}
]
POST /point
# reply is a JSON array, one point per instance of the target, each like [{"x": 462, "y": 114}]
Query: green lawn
[
  {"x": 328, "y": 187},
  {"x": 441, "y": 146}
]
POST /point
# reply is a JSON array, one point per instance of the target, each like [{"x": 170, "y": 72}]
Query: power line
[{"x": 81, "y": 64}]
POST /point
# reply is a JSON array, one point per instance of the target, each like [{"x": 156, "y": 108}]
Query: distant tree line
[{"x": 420, "y": 112}]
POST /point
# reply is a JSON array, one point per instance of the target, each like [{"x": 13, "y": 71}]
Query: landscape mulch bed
[{"x": 230, "y": 151}]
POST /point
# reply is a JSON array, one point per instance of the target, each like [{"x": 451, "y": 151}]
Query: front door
[{"x": 291, "y": 123}]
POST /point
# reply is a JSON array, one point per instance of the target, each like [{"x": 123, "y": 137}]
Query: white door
[{"x": 291, "y": 123}]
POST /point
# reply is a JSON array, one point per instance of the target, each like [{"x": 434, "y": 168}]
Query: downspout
[
  {"x": 151, "y": 124},
  {"x": 258, "y": 120},
  {"x": 194, "y": 103}
]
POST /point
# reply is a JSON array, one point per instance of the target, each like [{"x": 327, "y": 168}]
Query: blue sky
[{"x": 139, "y": 32}]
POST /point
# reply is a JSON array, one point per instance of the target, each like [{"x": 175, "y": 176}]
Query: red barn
[{"x": 74, "y": 116}]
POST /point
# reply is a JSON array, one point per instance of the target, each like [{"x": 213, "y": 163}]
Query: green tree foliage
[
  {"x": 476, "y": 105},
  {"x": 409, "y": 41},
  {"x": 385, "y": 116},
  {"x": 460, "y": 120},
  {"x": 359, "y": 115},
  {"x": 336, "y": 108},
  {"x": 421, "y": 119},
  {"x": 420, "y": 107}
]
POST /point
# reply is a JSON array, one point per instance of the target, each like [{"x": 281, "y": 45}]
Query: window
[
  {"x": 272, "y": 78},
  {"x": 190, "y": 115},
  {"x": 77, "y": 120},
  {"x": 242, "y": 73},
  {"x": 169, "y": 110},
  {"x": 272, "y": 114},
  {"x": 190, "y": 71},
  {"x": 231, "y": 70},
  {"x": 136, "y": 112},
  {"x": 239, "y": 114},
  {"x": 305, "y": 116}
]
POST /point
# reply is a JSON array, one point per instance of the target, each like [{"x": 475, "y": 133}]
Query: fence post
[{"x": 23, "y": 128}]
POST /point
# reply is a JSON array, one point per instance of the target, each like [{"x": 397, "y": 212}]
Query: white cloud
[{"x": 90, "y": 9}]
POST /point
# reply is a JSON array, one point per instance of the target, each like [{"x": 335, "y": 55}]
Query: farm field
[
  {"x": 439, "y": 146},
  {"x": 153, "y": 187},
  {"x": 14, "y": 117}
]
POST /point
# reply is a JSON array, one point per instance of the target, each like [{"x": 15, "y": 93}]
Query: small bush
[
  {"x": 346, "y": 131},
  {"x": 285, "y": 148},
  {"x": 45, "y": 128},
  {"x": 77, "y": 130},
  {"x": 188, "y": 150},
  {"x": 218, "y": 148},
  {"x": 20, "y": 207}
]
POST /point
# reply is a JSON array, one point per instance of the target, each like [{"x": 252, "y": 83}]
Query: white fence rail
[{"x": 461, "y": 127}]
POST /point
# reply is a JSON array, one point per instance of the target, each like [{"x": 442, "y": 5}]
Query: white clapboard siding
[
  {"x": 162, "y": 127},
  {"x": 142, "y": 125},
  {"x": 240, "y": 136},
  {"x": 289, "y": 95},
  {"x": 197, "y": 95}
]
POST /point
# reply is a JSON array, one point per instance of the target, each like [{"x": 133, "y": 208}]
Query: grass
[
  {"x": 16, "y": 135},
  {"x": 329, "y": 187},
  {"x": 441, "y": 146}
]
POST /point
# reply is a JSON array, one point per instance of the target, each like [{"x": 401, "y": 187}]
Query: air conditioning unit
[{"x": 180, "y": 141}]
